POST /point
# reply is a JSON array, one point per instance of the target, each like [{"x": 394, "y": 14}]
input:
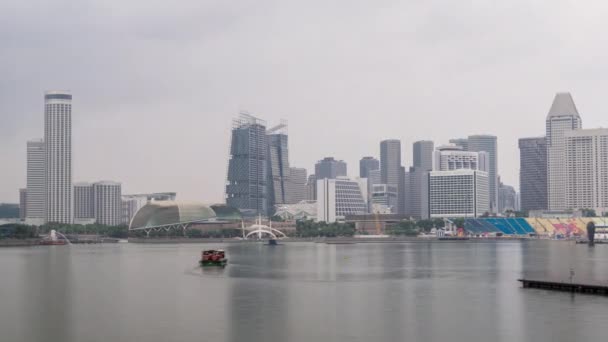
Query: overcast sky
[{"x": 156, "y": 83}]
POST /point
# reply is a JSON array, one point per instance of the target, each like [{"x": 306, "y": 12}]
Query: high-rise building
[
  {"x": 330, "y": 168},
  {"x": 58, "y": 161},
  {"x": 247, "y": 181},
  {"x": 373, "y": 178},
  {"x": 278, "y": 165},
  {"x": 367, "y": 164},
  {"x": 311, "y": 188},
  {"x": 451, "y": 157},
  {"x": 22, "y": 204},
  {"x": 36, "y": 199},
  {"x": 458, "y": 193},
  {"x": 338, "y": 197},
  {"x": 462, "y": 142},
  {"x": 587, "y": 169},
  {"x": 386, "y": 196},
  {"x": 563, "y": 117},
  {"x": 287, "y": 185},
  {"x": 108, "y": 203},
  {"x": 507, "y": 198},
  {"x": 84, "y": 201},
  {"x": 484, "y": 143},
  {"x": 423, "y": 155},
  {"x": 488, "y": 143},
  {"x": 390, "y": 161},
  {"x": 458, "y": 184},
  {"x": 417, "y": 196},
  {"x": 533, "y": 173},
  {"x": 296, "y": 190}
]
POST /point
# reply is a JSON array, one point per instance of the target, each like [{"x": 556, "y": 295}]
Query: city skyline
[
  {"x": 352, "y": 173},
  {"x": 184, "y": 90}
]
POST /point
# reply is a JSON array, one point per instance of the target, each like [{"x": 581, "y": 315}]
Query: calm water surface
[{"x": 300, "y": 292}]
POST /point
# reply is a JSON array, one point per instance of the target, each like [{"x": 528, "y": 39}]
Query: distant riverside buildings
[
  {"x": 563, "y": 117},
  {"x": 488, "y": 144},
  {"x": 390, "y": 161},
  {"x": 423, "y": 155},
  {"x": 259, "y": 176},
  {"x": 99, "y": 202},
  {"x": 84, "y": 202},
  {"x": 287, "y": 185},
  {"x": 418, "y": 180},
  {"x": 330, "y": 168},
  {"x": 384, "y": 196},
  {"x": 367, "y": 164},
  {"x": 338, "y": 197},
  {"x": 22, "y": 204},
  {"x": 507, "y": 198},
  {"x": 58, "y": 161},
  {"x": 133, "y": 202},
  {"x": 108, "y": 203},
  {"x": 247, "y": 181},
  {"x": 587, "y": 169},
  {"x": 459, "y": 193},
  {"x": 36, "y": 201},
  {"x": 458, "y": 184},
  {"x": 533, "y": 173},
  {"x": 311, "y": 187}
]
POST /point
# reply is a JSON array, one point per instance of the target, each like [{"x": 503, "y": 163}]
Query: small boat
[
  {"x": 213, "y": 257},
  {"x": 272, "y": 242}
]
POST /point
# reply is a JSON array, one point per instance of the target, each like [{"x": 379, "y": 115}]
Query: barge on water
[
  {"x": 596, "y": 289},
  {"x": 213, "y": 257}
]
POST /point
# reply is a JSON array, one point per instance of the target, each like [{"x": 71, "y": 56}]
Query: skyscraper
[
  {"x": 563, "y": 117},
  {"x": 423, "y": 155},
  {"x": 458, "y": 184},
  {"x": 488, "y": 143},
  {"x": 35, "y": 198},
  {"x": 417, "y": 196},
  {"x": 390, "y": 161},
  {"x": 296, "y": 186},
  {"x": 108, "y": 203},
  {"x": 533, "y": 173},
  {"x": 587, "y": 169},
  {"x": 22, "y": 204},
  {"x": 311, "y": 187},
  {"x": 287, "y": 185},
  {"x": 367, "y": 164},
  {"x": 84, "y": 201},
  {"x": 507, "y": 198},
  {"x": 58, "y": 161},
  {"x": 330, "y": 168},
  {"x": 278, "y": 166},
  {"x": 247, "y": 180},
  {"x": 462, "y": 142}
]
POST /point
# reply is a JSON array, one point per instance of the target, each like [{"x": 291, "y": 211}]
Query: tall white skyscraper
[
  {"x": 58, "y": 162},
  {"x": 108, "y": 203},
  {"x": 587, "y": 169},
  {"x": 35, "y": 198},
  {"x": 563, "y": 117}
]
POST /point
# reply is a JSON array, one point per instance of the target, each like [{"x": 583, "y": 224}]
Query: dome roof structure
[{"x": 161, "y": 213}]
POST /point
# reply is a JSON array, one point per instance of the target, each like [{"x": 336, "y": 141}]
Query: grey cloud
[{"x": 156, "y": 83}]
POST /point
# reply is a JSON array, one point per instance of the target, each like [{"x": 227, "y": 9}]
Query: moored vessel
[{"x": 213, "y": 257}]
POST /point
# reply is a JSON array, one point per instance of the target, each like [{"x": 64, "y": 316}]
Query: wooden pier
[{"x": 565, "y": 287}]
